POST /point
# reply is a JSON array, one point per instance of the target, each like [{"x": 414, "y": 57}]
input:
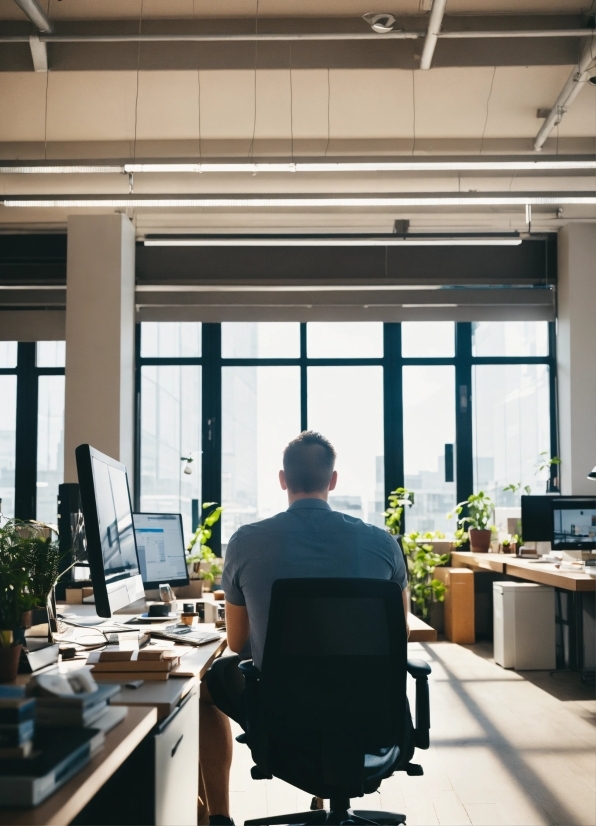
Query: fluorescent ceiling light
[
  {"x": 252, "y": 167},
  {"x": 335, "y": 241},
  {"x": 280, "y": 202},
  {"x": 408, "y": 306}
]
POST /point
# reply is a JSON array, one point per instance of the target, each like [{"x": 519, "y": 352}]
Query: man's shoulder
[{"x": 246, "y": 533}]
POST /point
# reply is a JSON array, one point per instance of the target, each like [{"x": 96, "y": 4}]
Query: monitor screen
[
  {"x": 111, "y": 547},
  {"x": 574, "y": 525},
  {"x": 537, "y": 518},
  {"x": 160, "y": 544}
]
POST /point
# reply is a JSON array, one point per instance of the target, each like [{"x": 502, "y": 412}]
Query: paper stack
[{"x": 122, "y": 666}]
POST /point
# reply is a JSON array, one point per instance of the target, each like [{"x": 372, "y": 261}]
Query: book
[
  {"x": 57, "y": 756},
  {"x": 17, "y": 752},
  {"x": 129, "y": 676},
  {"x": 15, "y": 734},
  {"x": 133, "y": 664},
  {"x": 56, "y": 717},
  {"x": 15, "y": 709},
  {"x": 83, "y": 700}
]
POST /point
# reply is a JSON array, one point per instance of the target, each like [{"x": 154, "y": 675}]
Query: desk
[{"x": 420, "y": 631}]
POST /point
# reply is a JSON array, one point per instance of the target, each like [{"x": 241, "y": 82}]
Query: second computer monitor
[
  {"x": 160, "y": 545},
  {"x": 574, "y": 524}
]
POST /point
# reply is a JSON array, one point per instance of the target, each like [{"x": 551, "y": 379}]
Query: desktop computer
[
  {"x": 109, "y": 531},
  {"x": 160, "y": 547},
  {"x": 574, "y": 524},
  {"x": 537, "y": 518}
]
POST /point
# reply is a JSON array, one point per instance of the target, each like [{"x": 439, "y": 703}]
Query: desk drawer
[{"x": 177, "y": 766}]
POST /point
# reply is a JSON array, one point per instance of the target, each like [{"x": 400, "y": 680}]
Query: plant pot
[
  {"x": 479, "y": 540},
  {"x": 9, "y": 662}
]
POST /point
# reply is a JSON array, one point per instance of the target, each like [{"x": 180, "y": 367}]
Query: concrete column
[
  {"x": 576, "y": 356},
  {"x": 100, "y": 316}
]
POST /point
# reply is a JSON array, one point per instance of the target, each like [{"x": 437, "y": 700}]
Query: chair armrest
[
  {"x": 250, "y": 671},
  {"x": 418, "y": 668}
]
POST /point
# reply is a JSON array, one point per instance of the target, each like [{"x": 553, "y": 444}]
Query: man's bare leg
[{"x": 216, "y": 745}]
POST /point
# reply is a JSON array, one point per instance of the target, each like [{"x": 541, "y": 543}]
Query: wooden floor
[{"x": 506, "y": 748}]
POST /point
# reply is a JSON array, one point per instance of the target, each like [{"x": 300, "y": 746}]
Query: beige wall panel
[
  {"x": 373, "y": 102},
  {"x": 273, "y": 104},
  {"x": 227, "y": 104},
  {"x": 451, "y": 103},
  {"x": 89, "y": 106},
  {"x": 580, "y": 120},
  {"x": 22, "y": 106},
  {"x": 309, "y": 103},
  {"x": 518, "y": 91},
  {"x": 168, "y": 105}
]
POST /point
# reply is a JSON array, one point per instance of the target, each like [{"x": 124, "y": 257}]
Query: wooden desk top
[
  {"x": 544, "y": 574},
  {"x": 420, "y": 631},
  {"x": 63, "y": 806}
]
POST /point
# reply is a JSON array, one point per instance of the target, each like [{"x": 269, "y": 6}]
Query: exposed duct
[
  {"x": 570, "y": 91},
  {"x": 36, "y": 14},
  {"x": 432, "y": 34}
]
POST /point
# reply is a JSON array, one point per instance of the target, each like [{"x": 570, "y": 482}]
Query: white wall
[
  {"x": 576, "y": 356},
  {"x": 100, "y": 338}
]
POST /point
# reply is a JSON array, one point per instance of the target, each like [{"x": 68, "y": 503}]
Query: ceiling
[{"x": 271, "y": 100}]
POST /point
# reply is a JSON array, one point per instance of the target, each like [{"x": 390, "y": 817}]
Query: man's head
[{"x": 309, "y": 462}]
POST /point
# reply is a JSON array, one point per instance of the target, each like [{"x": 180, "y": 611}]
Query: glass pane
[
  {"x": 344, "y": 339},
  {"x": 8, "y": 419},
  {"x": 170, "y": 430},
  {"x": 51, "y": 353},
  {"x": 50, "y": 445},
  {"x": 510, "y": 405},
  {"x": 260, "y": 415},
  {"x": 345, "y": 404},
  {"x": 171, "y": 339},
  {"x": 510, "y": 338},
  {"x": 8, "y": 353},
  {"x": 428, "y": 339},
  {"x": 429, "y": 425},
  {"x": 260, "y": 339}
]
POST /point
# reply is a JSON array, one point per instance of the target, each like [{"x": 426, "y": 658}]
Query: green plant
[
  {"x": 16, "y": 596},
  {"x": 510, "y": 539},
  {"x": 399, "y": 499},
  {"x": 422, "y": 561},
  {"x": 514, "y": 487},
  {"x": 200, "y": 537},
  {"x": 479, "y": 507},
  {"x": 545, "y": 464}
]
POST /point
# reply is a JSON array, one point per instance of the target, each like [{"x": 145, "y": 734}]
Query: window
[
  {"x": 8, "y": 421},
  {"x": 50, "y": 446},
  {"x": 394, "y": 399},
  {"x": 51, "y": 353}
]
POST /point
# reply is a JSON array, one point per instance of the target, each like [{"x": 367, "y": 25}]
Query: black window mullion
[
  {"x": 553, "y": 397},
  {"x": 393, "y": 412},
  {"x": 26, "y": 433},
  {"x": 464, "y": 473},
  {"x": 137, "y": 415},
  {"x": 211, "y": 423},
  {"x": 303, "y": 379}
]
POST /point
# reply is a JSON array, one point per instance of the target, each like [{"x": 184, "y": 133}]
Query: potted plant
[
  {"x": 476, "y": 526},
  {"x": 509, "y": 543},
  {"x": 426, "y": 592},
  {"x": 201, "y": 561},
  {"x": 16, "y": 598},
  {"x": 552, "y": 483}
]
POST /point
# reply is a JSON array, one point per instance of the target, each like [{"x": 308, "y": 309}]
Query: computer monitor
[
  {"x": 574, "y": 524},
  {"x": 160, "y": 546},
  {"x": 111, "y": 547},
  {"x": 537, "y": 518}
]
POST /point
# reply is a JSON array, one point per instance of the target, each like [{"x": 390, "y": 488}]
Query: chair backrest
[{"x": 335, "y": 660}]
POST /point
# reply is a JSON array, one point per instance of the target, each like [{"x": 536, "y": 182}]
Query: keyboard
[{"x": 185, "y": 634}]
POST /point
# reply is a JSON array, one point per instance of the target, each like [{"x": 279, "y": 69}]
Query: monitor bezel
[
  {"x": 116, "y": 595},
  {"x": 152, "y": 585}
]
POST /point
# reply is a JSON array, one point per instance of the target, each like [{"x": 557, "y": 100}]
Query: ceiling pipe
[
  {"x": 432, "y": 34},
  {"x": 36, "y": 15},
  {"x": 569, "y": 92},
  {"x": 323, "y": 36}
]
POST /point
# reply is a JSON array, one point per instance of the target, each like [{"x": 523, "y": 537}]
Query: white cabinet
[
  {"x": 176, "y": 752},
  {"x": 524, "y": 625}
]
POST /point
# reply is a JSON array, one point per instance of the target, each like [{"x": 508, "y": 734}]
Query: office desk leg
[{"x": 569, "y": 629}]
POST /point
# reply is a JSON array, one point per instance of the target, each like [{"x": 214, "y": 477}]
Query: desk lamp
[{"x": 592, "y": 474}]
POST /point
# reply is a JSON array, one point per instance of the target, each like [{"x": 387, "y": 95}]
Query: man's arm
[{"x": 237, "y": 626}]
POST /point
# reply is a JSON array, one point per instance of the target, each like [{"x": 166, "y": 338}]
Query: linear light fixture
[
  {"x": 253, "y": 167},
  {"x": 488, "y": 240},
  {"x": 300, "y": 202}
]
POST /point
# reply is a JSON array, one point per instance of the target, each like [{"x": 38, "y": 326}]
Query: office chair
[{"x": 328, "y": 711}]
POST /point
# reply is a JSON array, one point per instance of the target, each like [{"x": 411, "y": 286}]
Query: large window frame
[
  {"x": 392, "y": 361},
  {"x": 27, "y": 402}
]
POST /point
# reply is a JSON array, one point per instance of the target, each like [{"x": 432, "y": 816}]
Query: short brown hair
[{"x": 309, "y": 460}]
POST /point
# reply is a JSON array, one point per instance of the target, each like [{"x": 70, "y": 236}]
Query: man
[{"x": 307, "y": 540}]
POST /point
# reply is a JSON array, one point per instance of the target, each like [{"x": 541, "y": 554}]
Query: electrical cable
[{"x": 490, "y": 92}]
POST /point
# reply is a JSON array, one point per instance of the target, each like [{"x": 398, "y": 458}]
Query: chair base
[{"x": 326, "y": 817}]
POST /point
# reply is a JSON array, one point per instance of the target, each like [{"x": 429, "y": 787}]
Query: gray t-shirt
[{"x": 307, "y": 540}]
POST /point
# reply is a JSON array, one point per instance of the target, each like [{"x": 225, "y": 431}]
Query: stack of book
[
  {"x": 143, "y": 664},
  {"x": 17, "y": 727},
  {"x": 75, "y": 710}
]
